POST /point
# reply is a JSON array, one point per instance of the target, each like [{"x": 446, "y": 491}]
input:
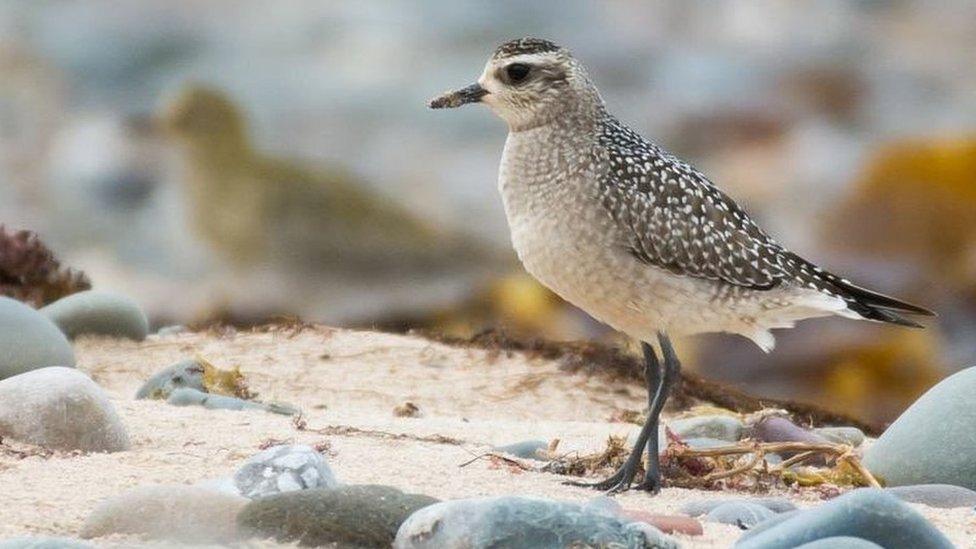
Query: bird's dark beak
[{"x": 456, "y": 98}]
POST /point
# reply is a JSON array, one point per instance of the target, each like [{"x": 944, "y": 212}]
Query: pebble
[
  {"x": 743, "y": 514},
  {"x": 669, "y": 524},
  {"x": 841, "y": 542},
  {"x": 720, "y": 427},
  {"x": 283, "y": 468},
  {"x": 527, "y": 449},
  {"x": 172, "y": 330},
  {"x": 704, "y": 443},
  {"x": 842, "y": 435},
  {"x": 98, "y": 313},
  {"x": 512, "y": 521},
  {"x": 28, "y": 340},
  {"x": 704, "y": 506},
  {"x": 43, "y": 543},
  {"x": 186, "y": 514},
  {"x": 185, "y": 373},
  {"x": 357, "y": 515},
  {"x": 780, "y": 429},
  {"x": 61, "y": 409},
  {"x": 867, "y": 513},
  {"x": 186, "y": 396},
  {"x": 945, "y": 496},
  {"x": 933, "y": 441}
]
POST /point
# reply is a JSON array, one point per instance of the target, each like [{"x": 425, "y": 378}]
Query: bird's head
[
  {"x": 528, "y": 82},
  {"x": 202, "y": 117}
]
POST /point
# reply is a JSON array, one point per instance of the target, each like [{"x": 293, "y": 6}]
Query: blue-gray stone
[
  {"x": 945, "y": 496},
  {"x": 842, "y": 435},
  {"x": 43, "y": 543},
  {"x": 933, "y": 442},
  {"x": 185, "y": 373},
  {"x": 743, "y": 514},
  {"x": 719, "y": 427},
  {"x": 356, "y": 516},
  {"x": 704, "y": 506},
  {"x": 512, "y": 521},
  {"x": 526, "y": 449},
  {"x": 603, "y": 505},
  {"x": 703, "y": 443},
  {"x": 185, "y": 396},
  {"x": 284, "y": 468},
  {"x": 867, "y": 513},
  {"x": 841, "y": 542},
  {"x": 28, "y": 340},
  {"x": 98, "y": 313},
  {"x": 769, "y": 523}
]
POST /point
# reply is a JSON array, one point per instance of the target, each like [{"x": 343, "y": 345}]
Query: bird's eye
[{"x": 517, "y": 72}]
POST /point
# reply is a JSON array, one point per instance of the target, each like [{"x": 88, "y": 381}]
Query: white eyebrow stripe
[{"x": 527, "y": 58}]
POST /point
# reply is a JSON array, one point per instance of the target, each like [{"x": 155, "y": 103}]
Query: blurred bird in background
[{"x": 350, "y": 253}]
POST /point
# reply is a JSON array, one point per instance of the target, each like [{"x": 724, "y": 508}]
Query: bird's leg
[
  {"x": 671, "y": 371},
  {"x": 624, "y": 477}
]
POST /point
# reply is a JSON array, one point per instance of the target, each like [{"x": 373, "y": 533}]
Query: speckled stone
[
  {"x": 98, "y": 313},
  {"x": 62, "y": 409},
  {"x": 285, "y": 468},
  {"x": 867, "y": 513},
  {"x": 511, "y": 521},
  {"x": 933, "y": 441},
  {"x": 358, "y": 516},
  {"x": 28, "y": 340}
]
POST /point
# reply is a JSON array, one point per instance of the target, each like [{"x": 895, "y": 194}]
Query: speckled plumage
[{"x": 633, "y": 235}]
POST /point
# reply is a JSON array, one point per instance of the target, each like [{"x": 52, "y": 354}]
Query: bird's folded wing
[{"x": 675, "y": 219}]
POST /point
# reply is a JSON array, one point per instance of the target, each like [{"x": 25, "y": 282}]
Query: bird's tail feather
[{"x": 874, "y": 306}]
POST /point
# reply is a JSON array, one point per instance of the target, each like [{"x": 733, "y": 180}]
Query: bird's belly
[{"x": 584, "y": 266}]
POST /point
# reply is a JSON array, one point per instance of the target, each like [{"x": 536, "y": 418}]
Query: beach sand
[{"x": 348, "y": 384}]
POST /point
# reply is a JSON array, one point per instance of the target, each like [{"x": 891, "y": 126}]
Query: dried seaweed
[{"x": 29, "y": 272}]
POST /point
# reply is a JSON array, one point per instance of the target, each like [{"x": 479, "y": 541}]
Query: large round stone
[
  {"x": 934, "y": 440},
  {"x": 60, "y": 408},
  {"x": 187, "y": 514},
  {"x": 867, "y": 513},
  {"x": 98, "y": 313},
  {"x": 356, "y": 516},
  {"x": 511, "y": 521},
  {"x": 29, "y": 341}
]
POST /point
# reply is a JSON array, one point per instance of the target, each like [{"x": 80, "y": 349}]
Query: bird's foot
[
  {"x": 651, "y": 484},
  {"x": 619, "y": 482}
]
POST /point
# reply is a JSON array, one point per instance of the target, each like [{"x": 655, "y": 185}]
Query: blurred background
[{"x": 247, "y": 160}]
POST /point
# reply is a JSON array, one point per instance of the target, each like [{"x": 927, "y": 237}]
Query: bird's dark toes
[
  {"x": 619, "y": 482},
  {"x": 650, "y": 485}
]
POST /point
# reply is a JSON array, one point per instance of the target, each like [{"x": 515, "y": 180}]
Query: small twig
[
  {"x": 865, "y": 474},
  {"x": 748, "y": 466},
  {"x": 494, "y": 455},
  {"x": 799, "y": 458}
]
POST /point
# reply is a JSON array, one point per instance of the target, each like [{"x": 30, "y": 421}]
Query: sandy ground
[{"x": 352, "y": 379}]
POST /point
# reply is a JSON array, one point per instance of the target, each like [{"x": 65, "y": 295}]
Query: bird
[
  {"x": 286, "y": 237},
  {"x": 252, "y": 208},
  {"x": 637, "y": 237}
]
